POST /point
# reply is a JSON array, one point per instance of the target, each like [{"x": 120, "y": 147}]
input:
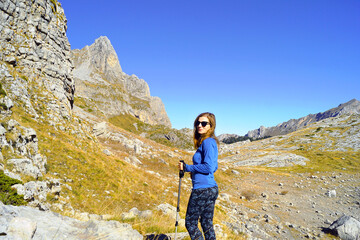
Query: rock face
[
  {"x": 36, "y": 85},
  {"x": 351, "y": 107},
  {"x": 33, "y": 38},
  {"x": 99, "y": 77}
]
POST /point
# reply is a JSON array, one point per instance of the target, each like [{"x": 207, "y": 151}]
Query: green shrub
[
  {"x": 9, "y": 195},
  {"x": 2, "y": 91}
]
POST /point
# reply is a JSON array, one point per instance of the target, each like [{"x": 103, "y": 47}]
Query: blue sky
[{"x": 251, "y": 63}]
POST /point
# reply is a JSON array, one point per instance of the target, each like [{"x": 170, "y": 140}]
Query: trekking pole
[{"x": 181, "y": 175}]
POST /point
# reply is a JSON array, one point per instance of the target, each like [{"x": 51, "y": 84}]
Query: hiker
[{"x": 205, "y": 190}]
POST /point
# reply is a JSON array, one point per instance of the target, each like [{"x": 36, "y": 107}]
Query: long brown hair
[{"x": 198, "y": 138}]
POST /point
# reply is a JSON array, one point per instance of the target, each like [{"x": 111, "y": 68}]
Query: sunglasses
[{"x": 203, "y": 124}]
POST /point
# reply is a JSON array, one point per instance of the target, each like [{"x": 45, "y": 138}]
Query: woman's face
[{"x": 200, "y": 125}]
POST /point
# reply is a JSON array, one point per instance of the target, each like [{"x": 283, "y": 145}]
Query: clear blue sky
[{"x": 251, "y": 62}]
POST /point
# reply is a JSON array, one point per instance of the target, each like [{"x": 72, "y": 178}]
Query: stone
[
  {"x": 346, "y": 227},
  {"x": 225, "y": 197},
  {"x": 145, "y": 214},
  {"x": 7, "y": 102},
  {"x": 133, "y": 213},
  {"x": 331, "y": 193},
  {"x": 167, "y": 209},
  {"x": 29, "y": 223},
  {"x": 26, "y": 167},
  {"x": 107, "y": 152},
  {"x": 21, "y": 228},
  {"x": 2, "y": 130},
  {"x": 100, "y": 128}
]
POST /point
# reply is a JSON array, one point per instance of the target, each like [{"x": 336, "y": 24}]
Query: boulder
[
  {"x": 167, "y": 209},
  {"x": 100, "y": 129},
  {"x": 331, "y": 193},
  {"x": 346, "y": 227}
]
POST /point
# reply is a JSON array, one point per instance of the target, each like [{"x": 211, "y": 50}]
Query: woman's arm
[{"x": 209, "y": 158}]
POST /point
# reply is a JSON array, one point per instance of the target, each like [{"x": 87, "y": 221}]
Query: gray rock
[
  {"x": 21, "y": 228},
  {"x": 107, "y": 152},
  {"x": 25, "y": 166},
  {"x": 331, "y": 193},
  {"x": 347, "y": 228},
  {"x": 167, "y": 209},
  {"x": 6, "y": 101},
  {"x": 133, "y": 213},
  {"x": 2, "y": 130},
  {"x": 49, "y": 225},
  {"x": 272, "y": 160},
  {"x": 99, "y": 129},
  {"x": 145, "y": 214}
]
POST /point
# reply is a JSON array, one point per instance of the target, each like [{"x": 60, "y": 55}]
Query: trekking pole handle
[{"x": 182, "y": 172}]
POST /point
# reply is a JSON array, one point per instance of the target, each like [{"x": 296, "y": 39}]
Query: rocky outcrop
[
  {"x": 231, "y": 138},
  {"x": 16, "y": 140},
  {"x": 99, "y": 77},
  {"x": 351, "y": 107},
  {"x": 29, "y": 223},
  {"x": 35, "y": 79}
]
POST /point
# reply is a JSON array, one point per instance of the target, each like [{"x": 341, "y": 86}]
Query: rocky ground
[{"x": 265, "y": 205}]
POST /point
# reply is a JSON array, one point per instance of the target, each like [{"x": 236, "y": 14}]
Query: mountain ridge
[{"x": 350, "y": 107}]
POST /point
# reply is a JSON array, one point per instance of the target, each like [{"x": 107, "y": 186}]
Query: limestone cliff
[
  {"x": 36, "y": 89},
  {"x": 33, "y": 39},
  {"x": 99, "y": 78}
]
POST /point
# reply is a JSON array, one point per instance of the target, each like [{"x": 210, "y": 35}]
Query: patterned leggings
[{"x": 201, "y": 205}]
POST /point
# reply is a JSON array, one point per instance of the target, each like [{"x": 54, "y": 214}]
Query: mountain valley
[{"x": 93, "y": 154}]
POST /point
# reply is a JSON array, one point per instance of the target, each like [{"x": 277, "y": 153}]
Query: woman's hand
[{"x": 181, "y": 166}]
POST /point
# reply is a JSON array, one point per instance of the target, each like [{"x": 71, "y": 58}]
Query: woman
[{"x": 205, "y": 190}]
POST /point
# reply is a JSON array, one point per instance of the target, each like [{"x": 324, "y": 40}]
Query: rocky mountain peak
[
  {"x": 104, "y": 55},
  {"x": 116, "y": 92},
  {"x": 100, "y": 58},
  {"x": 351, "y": 107}
]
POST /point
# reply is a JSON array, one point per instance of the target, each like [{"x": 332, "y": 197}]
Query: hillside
[
  {"x": 350, "y": 107},
  {"x": 85, "y": 172}
]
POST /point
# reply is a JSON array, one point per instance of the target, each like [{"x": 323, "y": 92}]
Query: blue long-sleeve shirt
[{"x": 205, "y": 163}]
